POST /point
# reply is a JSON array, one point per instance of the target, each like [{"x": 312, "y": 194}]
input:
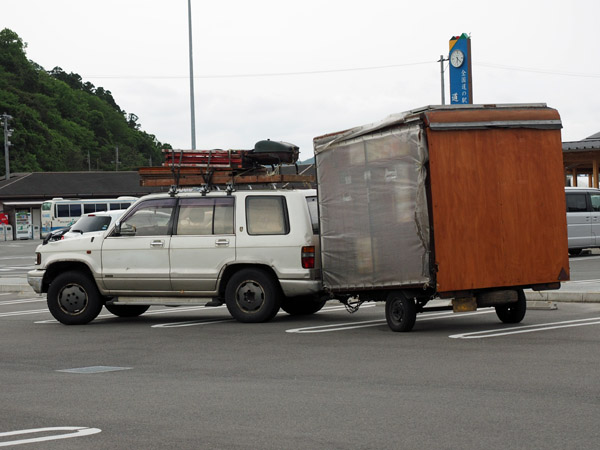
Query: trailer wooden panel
[{"x": 497, "y": 199}]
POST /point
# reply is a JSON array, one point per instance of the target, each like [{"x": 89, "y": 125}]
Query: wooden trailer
[{"x": 462, "y": 202}]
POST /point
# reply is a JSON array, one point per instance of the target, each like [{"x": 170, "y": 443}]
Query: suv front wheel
[
  {"x": 252, "y": 295},
  {"x": 73, "y": 298}
]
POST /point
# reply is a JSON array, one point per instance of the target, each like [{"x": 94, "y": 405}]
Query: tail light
[{"x": 308, "y": 257}]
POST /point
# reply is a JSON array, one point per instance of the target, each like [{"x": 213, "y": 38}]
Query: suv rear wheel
[
  {"x": 73, "y": 298},
  {"x": 252, "y": 295}
]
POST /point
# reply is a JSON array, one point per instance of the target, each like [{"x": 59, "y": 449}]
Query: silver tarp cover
[{"x": 373, "y": 207}]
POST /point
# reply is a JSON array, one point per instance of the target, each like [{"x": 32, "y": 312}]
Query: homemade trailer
[{"x": 461, "y": 202}]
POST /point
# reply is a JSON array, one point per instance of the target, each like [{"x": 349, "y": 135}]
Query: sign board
[{"x": 461, "y": 87}]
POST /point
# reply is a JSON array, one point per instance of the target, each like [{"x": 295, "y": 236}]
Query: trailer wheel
[
  {"x": 252, "y": 296},
  {"x": 127, "y": 310},
  {"x": 513, "y": 312},
  {"x": 400, "y": 311},
  {"x": 303, "y": 305},
  {"x": 73, "y": 298}
]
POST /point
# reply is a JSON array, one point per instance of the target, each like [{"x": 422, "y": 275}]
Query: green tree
[{"x": 60, "y": 119}]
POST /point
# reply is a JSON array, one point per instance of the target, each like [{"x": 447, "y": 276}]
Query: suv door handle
[
  {"x": 157, "y": 244},
  {"x": 222, "y": 243}
]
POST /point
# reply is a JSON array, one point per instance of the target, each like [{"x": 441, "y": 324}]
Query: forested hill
[{"x": 58, "y": 119}]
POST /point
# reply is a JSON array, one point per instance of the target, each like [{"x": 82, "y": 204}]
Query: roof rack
[{"x": 225, "y": 167}]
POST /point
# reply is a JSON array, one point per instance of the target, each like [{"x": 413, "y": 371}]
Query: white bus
[{"x": 61, "y": 213}]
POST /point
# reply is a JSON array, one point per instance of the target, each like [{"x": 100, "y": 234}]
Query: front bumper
[{"x": 35, "y": 279}]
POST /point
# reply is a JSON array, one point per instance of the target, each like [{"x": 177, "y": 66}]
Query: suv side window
[
  {"x": 151, "y": 218},
  {"x": 576, "y": 202},
  {"x": 205, "y": 216},
  {"x": 266, "y": 215}
]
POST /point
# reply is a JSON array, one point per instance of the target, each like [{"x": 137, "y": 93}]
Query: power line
[
  {"x": 349, "y": 69},
  {"x": 537, "y": 70},
  {"x": 250, "y": 75}
]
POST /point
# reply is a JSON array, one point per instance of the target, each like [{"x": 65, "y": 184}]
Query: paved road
[{"x": 194, "y": 378}]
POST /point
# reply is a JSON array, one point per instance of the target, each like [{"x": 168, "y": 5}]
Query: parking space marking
[
  {"x": 23, "y": 313},
  {"x": 527, "y": 329},
  {"x": 191, "y": 323},
  {"x": 94, "y": 369},
  {"x": 74, "y": 432},
  {"x": 23, "y": 300},
  {"x": 147, "y": 313},
  {"x": 375, "y": 323}
]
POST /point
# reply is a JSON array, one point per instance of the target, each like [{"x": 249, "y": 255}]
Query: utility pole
[
  {"x": 117, "y": 158},
  {"x": 441, "y": 61},
  {"x": 192, "y": 77},
  {"x": 7, "y": 133}
]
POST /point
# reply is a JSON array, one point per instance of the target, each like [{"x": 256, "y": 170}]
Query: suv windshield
[{"x": 91, "y": 223}]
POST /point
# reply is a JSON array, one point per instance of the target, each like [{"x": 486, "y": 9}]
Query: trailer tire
[
  {"x": 127, "y": 310},
  {"x": 513, "y": 312},
  {"x": 400, "y": 311},
  {"x": 73, "y": 298},
  {"x": 252, "y": 296},
  {"x": 303, "y": 305}
]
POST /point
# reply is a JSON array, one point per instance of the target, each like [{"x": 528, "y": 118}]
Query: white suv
[{"x": 255, "y": 250}]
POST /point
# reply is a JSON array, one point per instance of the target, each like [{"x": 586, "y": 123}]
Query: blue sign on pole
[{"x": 461, "y": 91}]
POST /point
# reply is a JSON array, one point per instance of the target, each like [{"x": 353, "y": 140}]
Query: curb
[{"x": 565, "y": 297}]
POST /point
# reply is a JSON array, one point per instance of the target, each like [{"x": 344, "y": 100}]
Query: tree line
[{"x": 62, "y": 123}]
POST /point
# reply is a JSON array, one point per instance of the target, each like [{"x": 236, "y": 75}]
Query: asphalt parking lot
[
  {"x": 191, "y": 377},
  {"x": 194, "y": 378}
]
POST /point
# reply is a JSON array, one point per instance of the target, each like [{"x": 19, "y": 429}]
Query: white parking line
[
  {"x": 75, "y": 432},
  {"x": 375, "y": 323},
  {"x": 527, "y": 329},
  {"x": 147, "y": 313},
  {"x": 191, "y": 323},
  {"x": 23, "y": 313},
  {"x": 23, "y": 300}
]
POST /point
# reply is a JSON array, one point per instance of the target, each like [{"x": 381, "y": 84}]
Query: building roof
[
  {"x": 589, "y": 143},
  {"x": 38, "y": 186},
  {"x": 47, "y": 185}
]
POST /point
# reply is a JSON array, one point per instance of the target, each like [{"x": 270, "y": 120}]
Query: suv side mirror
[{"x": 124, "y": 229}]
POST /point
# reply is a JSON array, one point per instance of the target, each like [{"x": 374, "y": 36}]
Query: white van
[{"x": 583, "y": 218}]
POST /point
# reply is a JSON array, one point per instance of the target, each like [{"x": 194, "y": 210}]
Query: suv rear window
[
  {"x": 267, "y": 215},
  {"x": 204, "y": 216}
]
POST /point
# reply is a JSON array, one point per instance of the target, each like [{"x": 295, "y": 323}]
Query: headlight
[{"x": 38, "y": 258}]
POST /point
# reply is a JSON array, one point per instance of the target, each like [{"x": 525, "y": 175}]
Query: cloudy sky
[{"x": 295, "y": 70}]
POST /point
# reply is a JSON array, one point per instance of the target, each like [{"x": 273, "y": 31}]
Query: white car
[{"x": 96, "y": 222}]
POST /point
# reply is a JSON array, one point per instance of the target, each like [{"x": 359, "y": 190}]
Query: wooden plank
[
  {"x": 498, "y": 207},
  {"x": 157, "y": 176}
]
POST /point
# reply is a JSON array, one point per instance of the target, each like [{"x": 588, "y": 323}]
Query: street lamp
[
  {"x": 7, "y": 133},
  {"x": 192, "y": 77}
]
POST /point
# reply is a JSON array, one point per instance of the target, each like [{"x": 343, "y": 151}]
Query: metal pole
[
  {"x": 5, "y": 119},
  {"x": 192, "y": 78},
  {"x": 441, "y": 61}
]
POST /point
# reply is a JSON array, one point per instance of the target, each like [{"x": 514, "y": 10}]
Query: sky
[{"x": 291, "y": 71}]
